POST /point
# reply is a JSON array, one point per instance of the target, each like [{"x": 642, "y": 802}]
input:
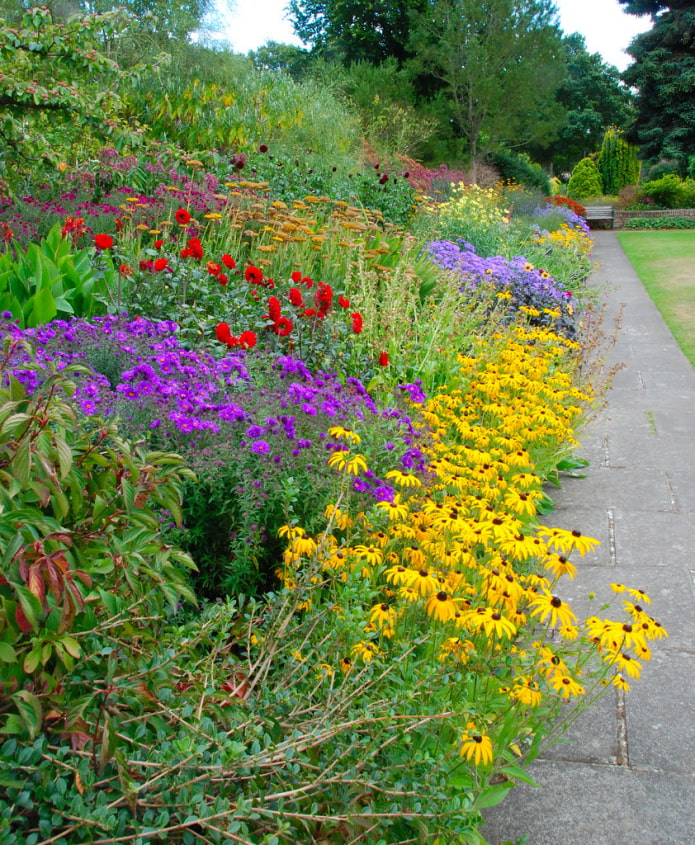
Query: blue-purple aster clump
[
  {"x": 520, "y": 285},
  {"x": 253, "y": 427}
]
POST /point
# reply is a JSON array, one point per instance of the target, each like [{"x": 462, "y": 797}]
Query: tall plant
[{"x": 617, "y": 162}]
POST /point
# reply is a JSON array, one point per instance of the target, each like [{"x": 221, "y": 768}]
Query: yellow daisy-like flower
[
  {"x": 625, "y": 663},
  {"x": 547, "y": 606},
  {"x": 456, "y": 649},
  {"x": 408, "y": 594},
  {"x": 396, "y": 509},
  {"x": 620, "y": 682},
  {"x": 303, "y": 546},
  {"x": 638, "y": 595},
  {"x": 338, "y": 432},
  {"x": 476, "y": 747},
  {"x": 346, "y": 665},
  {"x": 404, "y": 479},
  {"x": 290, "y": 531},
  {"x": 342, "y": 520},
  {"x": 366, "y": 650},
  {"x": 566, "y": 686},
  {"x": 559, "y": 565},
  {"x": 343, "y": 460},
  {"x": 526, "y": 692},
  {"x": 492, "y": 622},
  {"x": 441, "y": 607},
  {"x": 568, "y": 541},
  {"x": 424, "y": 582},
  {"x": 371, "y": 554},
  {"x": 397, "y": 575},
  {"x": 383, "y": 615}
]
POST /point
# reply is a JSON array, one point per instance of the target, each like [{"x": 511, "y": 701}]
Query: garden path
[{"x": 627, "y": 772}]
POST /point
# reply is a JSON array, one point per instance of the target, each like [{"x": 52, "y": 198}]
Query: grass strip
[{"x": 665, "y": 262}]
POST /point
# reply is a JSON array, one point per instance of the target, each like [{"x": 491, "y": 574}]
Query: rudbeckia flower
[
  {"x": 441, "y": 607},
  {"x": 476, "y": 747},
  {"x": 546, "y": 605}
]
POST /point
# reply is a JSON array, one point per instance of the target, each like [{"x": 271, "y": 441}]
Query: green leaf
[
  {"x": 29, "y": 708},
  {"x": 492, "y": 795},
  {"x": 7, "y": 653},
  {"x": 43, "y": 308}
]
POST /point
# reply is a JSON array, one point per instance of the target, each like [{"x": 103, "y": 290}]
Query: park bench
[{"x": 600, "y": 212}]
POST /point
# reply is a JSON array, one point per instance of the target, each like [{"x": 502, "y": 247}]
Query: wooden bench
[{"x": 600, "y": 212}]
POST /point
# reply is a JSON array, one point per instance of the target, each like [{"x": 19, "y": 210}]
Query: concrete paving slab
[
  {"x": 583, "y": 804},
  {"x": 592, "y": 738},
  {"x": 660, "y": 710}
]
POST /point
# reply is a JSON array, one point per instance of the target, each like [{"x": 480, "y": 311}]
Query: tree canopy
[{"x": 664, "y": 75}]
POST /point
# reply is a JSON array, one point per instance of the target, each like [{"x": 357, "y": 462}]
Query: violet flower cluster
[
  {"x": 187, "y": 400},
  {"x": 527, "y": 286}
]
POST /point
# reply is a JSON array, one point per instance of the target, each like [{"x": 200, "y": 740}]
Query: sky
[{"x": 608, "y": 30}]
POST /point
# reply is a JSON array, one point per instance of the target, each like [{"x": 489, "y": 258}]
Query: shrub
[
  {"x": 670, "y": 191},
  {"x": 617, "y": 162},
  {"x": 585, "y": 180},
  {"x": 660, "y": 223},
  {"x": 516, "y": 167}
]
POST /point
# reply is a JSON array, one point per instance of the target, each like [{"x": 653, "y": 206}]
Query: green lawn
[{"x": 665, "y": 262}]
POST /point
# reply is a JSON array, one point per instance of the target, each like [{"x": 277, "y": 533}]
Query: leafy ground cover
[
  {"x": 273, "y": 565},
  {"x": 662, "y": 261}
]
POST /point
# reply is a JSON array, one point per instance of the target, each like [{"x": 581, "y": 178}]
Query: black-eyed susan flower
[
  {"x": 441, "y": 607},
  {"x": 403, "y": 479},
  {"x": 346, "y": 665},
  {"x": 424, "y": 582},
  {"x": 620, "y": 682},
  {"x": 491, "y": 621},
  {"x": 338, "y": 432},
  {"x": 372, "y": 554},
  {"x": 559, "y": 565},
  {"x": 383, "y": 615},
  {"x": 547, "y": 606},
  {"x": 568, "y": 541},
  {"x": 566, "y": 686},
  {"x": 366, "y": 650},
  {"x": 396, "y": 510},
  {"x": 476, "y": 747},
  {"x": 526, "y": 692}
]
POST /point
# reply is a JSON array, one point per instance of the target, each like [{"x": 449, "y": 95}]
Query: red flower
[
  {"x": 222, "y": 279},
  {"x": 254, "y": 275},
  {"x": 223, "y": 333},
  {"x": 269, "y": 283},
  {"x": 323, "y": 297},
  {"x": 103, "y": 241},
  {"x": 125, "y": 270},
  {"x": 384, "y": 179},
  {"x": 186, "y": 252},
  {"x": 145, "y": 264},
  {"x": 273, "y": 308},
  {"x": 228, "y": 261},
  {"x": 384, "y": 359},
  {"x": 307, "y": 281},
  {"x": 344, "y": 301},
  {"x": 310, "y": 312},
  {"x": 296, "y": 298},
  {"x": 119, "y": 223},
  {"x": 296, "y": 277},
  {"x": 356, "y": 322},
  {"x": 263, "y": 148},
  {"x": 182, "y": 216},
  {"x": 247, "y": 339},
  {"x": 160, "y": 264},
  {"x": 282, "y": 327},
  {"x": 213, "y": 269},
  {"x": 158, "y": 244},
  {"x": 196, "y": 247}
]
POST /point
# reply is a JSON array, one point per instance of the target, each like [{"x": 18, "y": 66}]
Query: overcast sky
[{"x": 607, "y": 29}]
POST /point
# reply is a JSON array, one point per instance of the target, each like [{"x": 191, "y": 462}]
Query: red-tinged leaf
[
  {"x": 36, "y": 585},
  {"x": 85, "y": 577},
  {"x": 23, "y": 623},
  {"x": 56, "y": 581},
  {"x": 77, "y": 597}
]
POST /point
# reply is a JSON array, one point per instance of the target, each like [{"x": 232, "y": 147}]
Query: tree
[
  {"x": 617, "y": 162},
  {"x": 56, "y": 86},
  {"x": 585, "y": 180},
  {"x": 664, "y": 75},
  {"x": 497, "y": 63},
  {"x": 593, "y": 98},
  {"x": 354, "y": 30}
]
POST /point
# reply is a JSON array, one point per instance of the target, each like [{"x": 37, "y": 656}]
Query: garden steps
[{"x": 627, "y": 771}]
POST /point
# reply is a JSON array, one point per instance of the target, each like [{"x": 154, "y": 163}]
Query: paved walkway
[{"x": 627, "y": 774}]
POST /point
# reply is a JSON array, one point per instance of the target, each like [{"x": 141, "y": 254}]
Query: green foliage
[
  {"x": 517, "y": 167},
  {"x": 593, "y": 98},
  {"x": 670, "y": 191},
  {"x": 53, "y": 281},
  {"x": 664, "y": 75},
  {"x": 617, "y": 163},
  {"x": 58, "y": 87},
  {"x": 660, "y": 223},
  {"x": 585, "y": 180},
  {"x": 496, "y": 66},
  {"x": 79, "y": 539}
]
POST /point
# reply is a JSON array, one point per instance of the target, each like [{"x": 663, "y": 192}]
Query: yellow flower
[
  {"x": 345, "y": 665},
  {"x": 476, "y": 747},
  {"x": 441, "y": 607},
  {"x": 404, "y": 479},
  {"x": 353, "y": 464},
  {"x": 546, "y": 605},
  {"x": 566, "y": 686},
  {"x": 395, "y": 509},
  {"x": 526, "y": 692},
  {"x": 338, "y": 431},
  {"x": 567, "y": 541},
  {"x": 366, "y": 650},
  {"x": 383, "y": 616},
  {"x": 371, "y": 554},
  {"x": 424, "y": 582},
  {"x": 290, "y": 531},
  {"x": 491, "y": 621}
]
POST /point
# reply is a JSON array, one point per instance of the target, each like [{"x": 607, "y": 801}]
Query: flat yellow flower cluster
[
  {"x": 462, "y": 559},
  {"x": 484, "y": 207},
  {"x": 567, "y": 238}
]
